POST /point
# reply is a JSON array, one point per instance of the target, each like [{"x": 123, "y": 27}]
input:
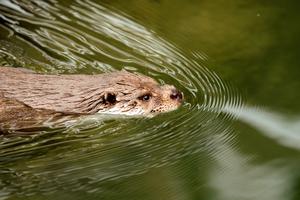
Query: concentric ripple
[{"x": 85, "y": 37}]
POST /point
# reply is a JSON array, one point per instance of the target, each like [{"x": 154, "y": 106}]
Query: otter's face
[{"x": 141, "y": 95}]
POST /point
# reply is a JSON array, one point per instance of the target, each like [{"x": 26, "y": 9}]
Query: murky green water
[{"x": 236, "y": 137}]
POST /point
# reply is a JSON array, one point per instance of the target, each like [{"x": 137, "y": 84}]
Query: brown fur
[{"x": 26, "y": 96}]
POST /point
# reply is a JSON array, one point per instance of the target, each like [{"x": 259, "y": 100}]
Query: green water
[{"x": 237, "y": 136}]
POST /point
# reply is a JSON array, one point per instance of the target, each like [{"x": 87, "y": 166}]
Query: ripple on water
[{"x": 88, "y": 38}]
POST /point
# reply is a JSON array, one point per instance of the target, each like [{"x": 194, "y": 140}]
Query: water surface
[{"x": 235, "y": 137}]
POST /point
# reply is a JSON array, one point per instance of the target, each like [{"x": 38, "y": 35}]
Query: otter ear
[{"x": 109, "y": 98}]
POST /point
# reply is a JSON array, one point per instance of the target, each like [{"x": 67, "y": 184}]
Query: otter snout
[{"x": 176, "y": 95}]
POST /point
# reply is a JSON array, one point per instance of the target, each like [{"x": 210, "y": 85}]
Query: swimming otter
[{"x": 32, "y": 96}]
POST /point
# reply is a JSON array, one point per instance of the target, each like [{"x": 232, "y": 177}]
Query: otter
[{"x": 29, "y": 96}]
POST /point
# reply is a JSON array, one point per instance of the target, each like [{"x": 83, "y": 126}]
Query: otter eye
[
  {"x": 145, "y": 97},
  {"x": 109, "y": 98}
]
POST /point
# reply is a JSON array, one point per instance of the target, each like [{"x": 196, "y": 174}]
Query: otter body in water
[{"x": 26, "y": 95}]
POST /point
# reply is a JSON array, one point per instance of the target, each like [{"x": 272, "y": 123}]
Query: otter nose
[{"x": 176, "y": 95}]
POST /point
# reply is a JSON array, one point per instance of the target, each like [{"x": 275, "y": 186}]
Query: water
[{"x": 237, "y": 135}]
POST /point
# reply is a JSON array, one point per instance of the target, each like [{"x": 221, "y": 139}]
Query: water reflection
[
  {"x": 233, "y": 176},
  {"x": 191, "y": 153},
  {"x": 281, "y": 128}
]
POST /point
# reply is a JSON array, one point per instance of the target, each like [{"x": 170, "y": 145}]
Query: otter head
[{"x": 135, "y": 94}]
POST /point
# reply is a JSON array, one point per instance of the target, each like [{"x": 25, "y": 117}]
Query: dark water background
[{"x": 236, "y": 137}]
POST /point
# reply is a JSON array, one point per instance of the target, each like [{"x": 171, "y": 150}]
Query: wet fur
[{"x": 31, "y": 97}]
